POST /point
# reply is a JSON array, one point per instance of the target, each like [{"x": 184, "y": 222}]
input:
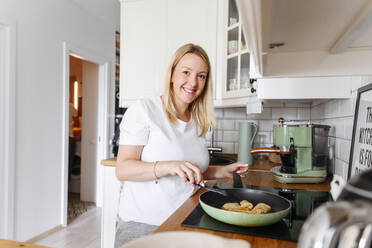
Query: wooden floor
[{"x": 83, "y": 232}]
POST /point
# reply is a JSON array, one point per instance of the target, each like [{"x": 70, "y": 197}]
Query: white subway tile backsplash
[
  {"x": 344, "y": 150},
  {"x": 265, "y": 125},
  {"x": 341, "y": 168},
  {"x": 331, "y": 109},
  {"x": 303, "y": 114},
  {"x": 349, "y": 123},
  {"x": 318, "y": 112},
  {"x": 218, "y": 112},
  {"x": 227, "y": 147},
  {"x": 230, "y": 136},
  {"x": 228, "y": 124},
  {"x": 286, "y": 113},
  {"x": 346, "y": 107},
  {"x": 336, "y": 113},
  {"x": 339, "y": 128},
  {"x": 235, "y": 114}
]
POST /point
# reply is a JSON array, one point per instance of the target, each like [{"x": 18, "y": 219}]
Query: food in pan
[
  {"x": 246, "y": 204},
  {"x": 247, "y": 207},
  {"x": 261, "y": 208}
]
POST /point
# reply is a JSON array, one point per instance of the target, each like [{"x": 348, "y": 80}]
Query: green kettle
[{"x": 247, "y": 133}]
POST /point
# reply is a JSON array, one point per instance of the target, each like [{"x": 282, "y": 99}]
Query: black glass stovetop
[{"x": 303, "y": 204}]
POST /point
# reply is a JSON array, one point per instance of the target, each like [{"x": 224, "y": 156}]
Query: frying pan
[{"x": 211, "y": 202}]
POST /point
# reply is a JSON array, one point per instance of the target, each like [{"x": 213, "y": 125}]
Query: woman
[{"x": 162, "y": 149}]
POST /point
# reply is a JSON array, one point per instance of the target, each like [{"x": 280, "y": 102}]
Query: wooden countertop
[
  {"x": 259, "y": 175},
  {"x": 13, "y": 244}
]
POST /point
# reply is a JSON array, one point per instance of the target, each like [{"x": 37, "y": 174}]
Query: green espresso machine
[{"x": 304, "y": 149}]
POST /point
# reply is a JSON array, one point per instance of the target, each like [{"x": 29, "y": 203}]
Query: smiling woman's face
[{"x": 189, "y": 78}]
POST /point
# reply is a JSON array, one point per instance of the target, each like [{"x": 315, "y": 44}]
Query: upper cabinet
[
  {"x": 235, "y": 65},
  {"x": 151, "y": 31}
]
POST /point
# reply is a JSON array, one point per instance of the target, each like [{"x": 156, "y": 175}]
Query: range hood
[{"x": 304, "y": 88}]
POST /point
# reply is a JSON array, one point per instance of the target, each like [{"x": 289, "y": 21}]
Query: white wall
[
  {"x": 42, "y": 26},
  {"x": 3, "y": 186}
]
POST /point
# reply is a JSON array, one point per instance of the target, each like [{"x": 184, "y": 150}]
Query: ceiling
[
  {"x": 305, "y": 25},
  {"x": 106, "y": 10}
]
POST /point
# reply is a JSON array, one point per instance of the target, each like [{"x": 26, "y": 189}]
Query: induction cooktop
[{"x": 303, "y": 204}]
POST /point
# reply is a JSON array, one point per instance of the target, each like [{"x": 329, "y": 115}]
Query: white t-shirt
[{"x": 145, "y": 123}]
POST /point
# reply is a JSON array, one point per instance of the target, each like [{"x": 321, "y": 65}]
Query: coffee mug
[{"x": 247, "y": 133}]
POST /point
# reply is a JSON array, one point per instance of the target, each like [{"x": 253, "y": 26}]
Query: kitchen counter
[
  {"x": 259, "y": 175},
  {"x": 14, "y": 244},
  {"x": 257, "y": 178}
]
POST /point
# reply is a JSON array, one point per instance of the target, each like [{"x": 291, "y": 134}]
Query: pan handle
[
  {"x": 265, "y": 150},
  {"x": 268, "y": 150}
]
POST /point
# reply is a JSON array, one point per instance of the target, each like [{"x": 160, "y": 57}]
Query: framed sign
[{"x": 361, "y": 143}]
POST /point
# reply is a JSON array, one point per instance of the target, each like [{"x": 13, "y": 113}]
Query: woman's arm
[
  {"x": 129, "y": 167},
  {"x": 226, "y": 171}
]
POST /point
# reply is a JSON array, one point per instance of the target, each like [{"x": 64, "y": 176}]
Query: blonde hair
[{"x": 201, "y": 108}]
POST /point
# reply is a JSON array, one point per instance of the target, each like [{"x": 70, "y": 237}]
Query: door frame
[
  {"x": 7, "y": 180},
  {"x": 103, "y": 118}
]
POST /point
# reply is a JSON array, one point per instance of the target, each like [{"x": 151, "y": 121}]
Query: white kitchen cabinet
[
  {"x": 233, "y": 86},
  {"x": 151, "y": 31},
  {"x": 110, "y": 207},
  {"x": 143, "y": 32}
]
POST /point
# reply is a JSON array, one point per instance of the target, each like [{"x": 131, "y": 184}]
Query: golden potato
[
  {"x": 246, "y": 204},
  {"x": 247, "y": 207}
]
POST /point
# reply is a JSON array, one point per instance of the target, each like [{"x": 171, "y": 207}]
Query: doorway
[
  {"x": 83, "y": 106},
  {"x": 85, "y": 93}
]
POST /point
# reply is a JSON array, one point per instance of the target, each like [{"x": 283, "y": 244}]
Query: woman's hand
[
  {"x": 226, "y": 171},
  {"x": 238, "y": 167},
  {"x": 186, "y": 170}
]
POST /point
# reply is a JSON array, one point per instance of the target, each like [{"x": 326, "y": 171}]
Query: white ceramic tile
[
  {"x": 218, "y": 113},
  {"x": 346, "y": 107},
  {"x": 303, "y": 114},
  {"x": 344, "y": 146},
  {"x": 228, "y": 124},
  {"x": 286, "y": 113},
  {"x": 219, "y": 124},
  {"x": 330, "y": 122},
  {"x": 227, "y": 147},
  {"x": 235, "y": 114},
  {"x": 265, "y": 115},
  {"x": 339, "y": 127},
  {"x": 315, "y": 112},
  {"x": 332, "y": 109},
  {"x": 265, "y": 125},
  {"x": 230, "y": 136},
  {"x": 349, "y": 123},
  {"x": 341, "y": 168}
]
